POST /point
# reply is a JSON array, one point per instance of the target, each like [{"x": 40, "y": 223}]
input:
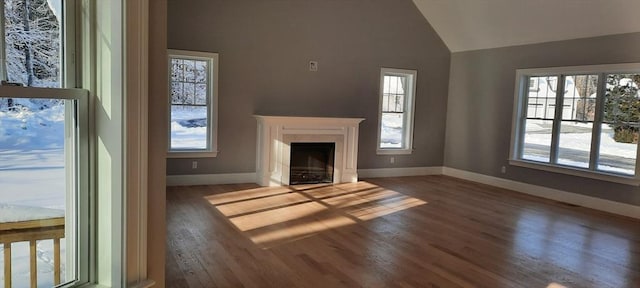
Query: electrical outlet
[
  {"x": 194, "y": 165},
  {"x": 503, "y": 169},
  {"x": 392, "y": 160},
  {"x": 313, "y": 66}
]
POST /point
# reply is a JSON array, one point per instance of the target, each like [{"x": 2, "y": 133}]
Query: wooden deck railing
[{"x": 32, "y": 231}]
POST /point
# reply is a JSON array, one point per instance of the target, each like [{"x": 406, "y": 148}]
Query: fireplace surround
[{"x": 276, "y": 133}]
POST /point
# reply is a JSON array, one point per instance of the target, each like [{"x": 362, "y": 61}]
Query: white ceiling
[{"x": 479, "y": 24}]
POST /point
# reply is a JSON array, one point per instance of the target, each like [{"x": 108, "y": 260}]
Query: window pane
[
  {"x": 618, "y": 146},
  {"x": 34, "y": 192},
  {"x": 177, "y": 74},
  {"x": 188, "y": 127},
  {"x": 541, "y": 99},
  {"x": 537, "y": 140},
  {"x": 189, "y": 93},
  {"x": 574, "y": 144},
  {"x": 617, "y": 157},
  {"x": 201, "y": 72},
  {"x": 578, "y": 107},
  {"x": 190, "y": 100},
  {"x": 391, "y": 130},
  {"x": 393, "y": 95},
  {"x": 177, "y": 93},
  {"x": 201, "y": 94},
  {"x": 33, "y": 43},
  {"x": 394, "y": 84},
  {"x": 579, "y": 102},
  {"x": 189, "y": 67}
]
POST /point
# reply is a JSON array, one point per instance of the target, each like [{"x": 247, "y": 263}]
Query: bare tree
[
  {"x": 32, "y": 35},
  {"x": 32, "y": 45}
]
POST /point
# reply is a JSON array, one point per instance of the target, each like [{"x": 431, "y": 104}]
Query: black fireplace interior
[{"x": 311, "y": 163}]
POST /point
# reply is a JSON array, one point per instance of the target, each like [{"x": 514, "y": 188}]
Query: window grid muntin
[
  {"x": 181, "y": 80},
  {"x": 570, "y": 89},
  {"x": 548, "y": 101},
  {"x": 211, "y": 103},
  {"x": 597, "y": 122},
  {"x": 394, "y": 101},
  {"x": 406, "y": 114},
  {"x": 76, "y": 103}
]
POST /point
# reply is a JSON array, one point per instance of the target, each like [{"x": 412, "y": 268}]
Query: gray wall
[
  {"x": 265, "y": 47},
  {"x": 480, "y": 108}
]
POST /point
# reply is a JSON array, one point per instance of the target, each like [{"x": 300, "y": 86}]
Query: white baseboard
[
  {"x": 549, "y": 193},
  {"x": 210, "y": 179},
  {"x": 398, "y": 172},
  {"x": 535, "y": 190}
]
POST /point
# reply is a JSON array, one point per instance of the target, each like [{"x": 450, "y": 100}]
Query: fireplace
[
  {"x": 278, "y": 134},
  {"x": 311, "y": 163}
]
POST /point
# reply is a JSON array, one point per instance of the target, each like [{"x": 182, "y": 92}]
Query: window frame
[
  {"x": 212, "y": 104},
  {"x": 520, "y": 115},
  {"x": 80, "y": 212},
  {"x": 408, "y": 113},
  {"x": 78, "y": 200}
]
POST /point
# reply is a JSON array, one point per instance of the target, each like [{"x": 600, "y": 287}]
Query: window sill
[
  {"x": 394, "y": 151},
  {"x": 604, "y": 176},
  {"x": 192, "y": 154}
]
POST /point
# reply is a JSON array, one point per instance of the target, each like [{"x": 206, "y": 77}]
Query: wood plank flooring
[{"x": 427, "y": 231}]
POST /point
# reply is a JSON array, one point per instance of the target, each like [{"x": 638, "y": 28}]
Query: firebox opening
[{"x": 311, "y": 163}]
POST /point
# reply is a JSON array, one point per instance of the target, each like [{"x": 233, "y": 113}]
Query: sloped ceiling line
[{"x": 467, "y": 25}]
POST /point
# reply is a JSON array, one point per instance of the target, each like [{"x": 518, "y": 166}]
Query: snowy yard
[
  {"x": 575, "y": 141},
  {"x": 32, "y": 177},
  {"x": 188, "y": 127},
  {"x": 32, "y": 172},
  {"x": 391, "y": 131}
]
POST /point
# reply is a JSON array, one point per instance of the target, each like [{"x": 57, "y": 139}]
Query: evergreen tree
[{"x": 622, "y": 106}]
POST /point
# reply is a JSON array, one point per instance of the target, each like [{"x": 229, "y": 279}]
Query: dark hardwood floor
[{"x": 428, "y": 231}]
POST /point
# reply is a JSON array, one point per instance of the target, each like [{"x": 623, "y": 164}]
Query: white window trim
[
  {"x": 517, "y": 122},
  {"x": 408, "y": 111},
  {"x": 212, "y": 121},
  {"x": 78, "y": 200},
  {"x": 77, "y": 140},
  {"x": 69, "y": 45}
]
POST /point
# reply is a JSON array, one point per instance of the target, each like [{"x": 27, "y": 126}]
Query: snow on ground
[
  {"x": 391, "y": 132},
  {"x": 578, "y": 138},
  {"x": 45, "y": 171},
  {"x": 581, "y": 164},
  {"x": 582, "y": 141},
  {"x": 188, "y": 127},
  {"x": 31, "y": 176},
  {"x": 18, "y": 213}
]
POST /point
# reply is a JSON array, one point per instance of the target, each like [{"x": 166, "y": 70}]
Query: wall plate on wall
[{"x": 313, "y": 66}]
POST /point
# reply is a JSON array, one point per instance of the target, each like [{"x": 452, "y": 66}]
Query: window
[
  {"x": 397, "y": 94},
  {"x": 193, "y": 92},
  {"x": 579, "y": 120},
  {"x": 44, "y": 154}
]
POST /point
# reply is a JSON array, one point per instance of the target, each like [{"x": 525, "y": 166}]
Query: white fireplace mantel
[{"x": 276, "y": 133}]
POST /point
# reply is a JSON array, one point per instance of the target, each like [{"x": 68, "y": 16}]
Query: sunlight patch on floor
[
  {"x": 248, "y": 194},
  {"x": 271, "y": 216}
]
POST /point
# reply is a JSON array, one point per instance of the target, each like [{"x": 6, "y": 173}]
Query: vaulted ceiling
[{"x": 479, "y": 24}]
